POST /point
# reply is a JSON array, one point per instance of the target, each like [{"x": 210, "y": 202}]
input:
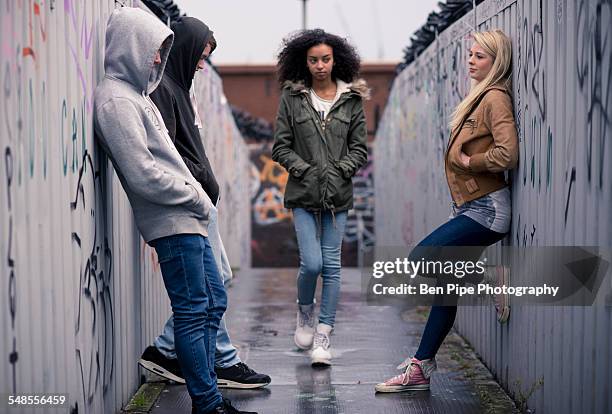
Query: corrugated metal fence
[
  {"x": 81, "y": 294},
  {"x": 562, "y": 190}
]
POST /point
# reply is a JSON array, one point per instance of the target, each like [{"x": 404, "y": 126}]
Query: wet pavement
[{"x": 368, "y": 343}]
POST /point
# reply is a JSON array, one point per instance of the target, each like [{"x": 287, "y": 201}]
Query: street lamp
[{"x": 304, "y": 14}]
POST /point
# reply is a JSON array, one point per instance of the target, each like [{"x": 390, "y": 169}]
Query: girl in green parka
[{"x": 320, "y": 139}]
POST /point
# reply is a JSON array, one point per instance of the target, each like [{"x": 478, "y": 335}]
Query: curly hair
[{"x": 292, "y": 58}]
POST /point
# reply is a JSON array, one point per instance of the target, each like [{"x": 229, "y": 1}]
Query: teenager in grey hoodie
[
  {"x": 193, "y": 43},
  {"x": 170, "y": 207}
]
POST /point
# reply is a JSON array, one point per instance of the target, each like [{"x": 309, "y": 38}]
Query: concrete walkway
[{"x": 368, "y": 343}]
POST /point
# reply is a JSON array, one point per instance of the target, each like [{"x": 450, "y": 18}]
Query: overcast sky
[{"x": 250, "y": 31}]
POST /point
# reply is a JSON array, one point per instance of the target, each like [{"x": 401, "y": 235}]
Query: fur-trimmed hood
[{"x": 358, "y": 86}]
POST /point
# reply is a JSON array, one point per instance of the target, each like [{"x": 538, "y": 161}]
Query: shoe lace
[
  {"x": 244, "y": 368},
  {"x": 404, "y": 377},
  {"x": 321, "y": 340}
]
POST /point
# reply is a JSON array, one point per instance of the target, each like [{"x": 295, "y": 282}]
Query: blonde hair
[{"x": 499, "y": 46}]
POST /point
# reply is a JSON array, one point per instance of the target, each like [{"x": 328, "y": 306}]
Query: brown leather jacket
[{"x": 489, "y": 137}]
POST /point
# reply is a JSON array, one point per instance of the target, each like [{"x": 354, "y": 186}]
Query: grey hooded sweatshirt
[{"x": 165, "y": 197}]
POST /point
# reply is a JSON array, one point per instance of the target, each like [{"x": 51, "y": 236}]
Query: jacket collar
[
  {"x": 358, "y": 88},
  {"x": 498, "y": 86}
]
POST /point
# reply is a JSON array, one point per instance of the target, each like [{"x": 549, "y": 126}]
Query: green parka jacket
[{"x": 321, "y": 156}]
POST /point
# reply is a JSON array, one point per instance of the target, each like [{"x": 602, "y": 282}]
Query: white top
[{"x": 322, "y": 106}]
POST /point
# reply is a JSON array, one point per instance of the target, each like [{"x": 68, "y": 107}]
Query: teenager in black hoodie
[{"x": 193, "y": 43}]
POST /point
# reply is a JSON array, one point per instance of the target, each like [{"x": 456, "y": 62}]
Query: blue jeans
[
  {"x": 459, "y": 231},
  {"x": 198, "y": 301},
  {"x": 226, "y": 354},
  {"x": 320, "y": 242}
]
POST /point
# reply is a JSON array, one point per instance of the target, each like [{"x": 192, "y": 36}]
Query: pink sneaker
[{"x": 415, "y": 378}]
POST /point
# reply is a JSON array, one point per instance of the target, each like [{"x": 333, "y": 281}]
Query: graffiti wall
[
  {"x": 274, "y": 243},
  {"x": 561, "y": 191},
  {"x": 81, "y": 294}
]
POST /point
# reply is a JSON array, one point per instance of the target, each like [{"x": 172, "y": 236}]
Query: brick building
[{"x": 254, "y": 89}]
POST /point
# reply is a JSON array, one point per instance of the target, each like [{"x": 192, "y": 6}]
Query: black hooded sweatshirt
[{"x": 172, "y": 99}]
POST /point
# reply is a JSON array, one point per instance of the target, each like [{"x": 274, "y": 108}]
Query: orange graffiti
[
  {"x": 273, "y": 173},
  {"x": 29, "y": 50},
  {"x": 269, "y": 207}
]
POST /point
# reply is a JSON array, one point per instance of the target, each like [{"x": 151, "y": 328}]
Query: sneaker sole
[
  {"x": 239, "y": 385},
  {"x": 320, "y": 361},
  {"x": 159, "y": 370},
  {"x": 401, "y": 388}
]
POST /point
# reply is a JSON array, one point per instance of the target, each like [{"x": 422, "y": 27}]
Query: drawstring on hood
[
  {"x": 130, "y": 53},
  {"x": 190, "y": 38}
]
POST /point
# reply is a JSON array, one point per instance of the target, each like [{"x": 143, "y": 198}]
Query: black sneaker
[
  {"x": 226, "y": 408},
  {"x": 240, "y": 376},
  {"x": 157, "y": 363}
]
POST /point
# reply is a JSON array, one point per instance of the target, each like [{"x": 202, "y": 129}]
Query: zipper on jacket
[
  {"x": 315, "y": 112},
  {"x": 324, "y": 122},
  {"x": 334, "y": 106}
]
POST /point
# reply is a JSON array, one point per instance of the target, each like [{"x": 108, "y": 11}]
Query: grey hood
[
  {"x": 130, "y": 53},
  {"x": 165, "y": 198}
]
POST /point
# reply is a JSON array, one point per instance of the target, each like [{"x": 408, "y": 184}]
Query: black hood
[{"x": 190, "y": 38}]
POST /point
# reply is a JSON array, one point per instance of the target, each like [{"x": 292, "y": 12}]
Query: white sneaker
[
  {"x": 304, "y": 330},
  {"x": 321, "y": 352}
]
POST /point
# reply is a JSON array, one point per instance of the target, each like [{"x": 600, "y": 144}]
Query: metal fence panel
[
  {"x": 81, "y": 293},
  {"x": 562, "y": 63}
]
